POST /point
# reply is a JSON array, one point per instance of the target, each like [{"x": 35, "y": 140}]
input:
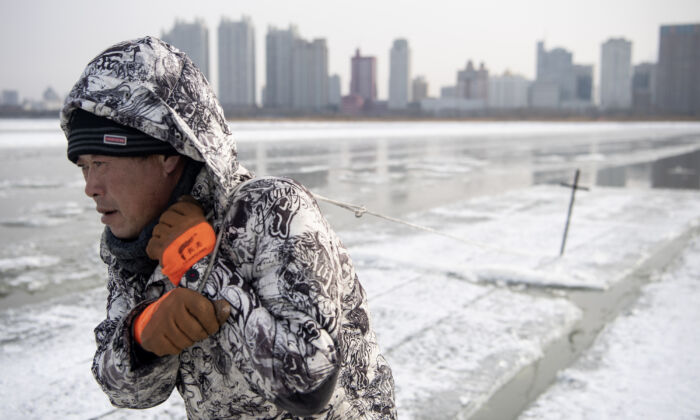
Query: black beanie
[{"x": 93, "y": 135}]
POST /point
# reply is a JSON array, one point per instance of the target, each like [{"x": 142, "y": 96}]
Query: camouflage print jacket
[{"x": 299, "y": 322}]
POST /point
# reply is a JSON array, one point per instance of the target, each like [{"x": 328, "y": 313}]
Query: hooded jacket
[{"x": 298, "y": 341}]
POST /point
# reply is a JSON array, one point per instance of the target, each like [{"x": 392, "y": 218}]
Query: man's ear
[{"x": 171, "y": 163}]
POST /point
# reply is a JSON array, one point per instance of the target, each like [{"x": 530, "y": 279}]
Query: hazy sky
[{"x": 48, "y": 42}]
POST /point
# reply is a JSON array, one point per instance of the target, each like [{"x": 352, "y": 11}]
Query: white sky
[{"x": 47, "y": 43}]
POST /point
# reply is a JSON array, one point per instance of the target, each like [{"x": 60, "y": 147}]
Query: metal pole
[{"x": 568, "y": 216}]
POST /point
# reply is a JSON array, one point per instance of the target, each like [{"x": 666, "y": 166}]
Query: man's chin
[{"x": 120, "y": 232}]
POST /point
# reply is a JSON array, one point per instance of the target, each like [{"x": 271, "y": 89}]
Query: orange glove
[
  {"x": 177, "y": 320},
  {"x": 181, "y": 238}
]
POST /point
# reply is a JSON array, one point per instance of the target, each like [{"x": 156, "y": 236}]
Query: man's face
[{"x": 129, "y": 192}]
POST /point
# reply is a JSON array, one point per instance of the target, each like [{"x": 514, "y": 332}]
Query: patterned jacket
[{"x": 299, "y": 322}]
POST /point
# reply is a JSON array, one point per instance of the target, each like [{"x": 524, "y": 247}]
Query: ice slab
[
  {"x": 515, "y": 238},
  {"x": 46, "y": 354},
  {"x": 452, "y": 365},
  {"x": 645, "y": 364}
]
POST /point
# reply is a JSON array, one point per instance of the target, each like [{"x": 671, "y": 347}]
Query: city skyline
[{"x": 443, "y": 36}]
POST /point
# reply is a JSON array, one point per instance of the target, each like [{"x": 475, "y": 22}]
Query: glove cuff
[
  {"x": 145, "y": 316},
  {"x": 188, "y": 248}
]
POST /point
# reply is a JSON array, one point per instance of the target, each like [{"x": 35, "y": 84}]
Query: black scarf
[{"x": 131, "y": 255}]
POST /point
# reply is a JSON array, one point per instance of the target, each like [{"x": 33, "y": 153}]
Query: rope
[{"x": 361, "y": 211}]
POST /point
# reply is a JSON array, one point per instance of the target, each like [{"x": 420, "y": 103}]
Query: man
[{"x": 281, "y": 327}]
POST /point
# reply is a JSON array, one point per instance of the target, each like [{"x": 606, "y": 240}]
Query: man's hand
[
  {"x": 181, "y": 238},
  {"x": 179, "y": 217},
  {"x": 177, "y": 320}
]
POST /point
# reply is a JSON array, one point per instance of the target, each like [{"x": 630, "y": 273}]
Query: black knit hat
[{"x": 90, "y": 134}]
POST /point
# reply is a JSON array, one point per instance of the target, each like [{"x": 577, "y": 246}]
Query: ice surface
[
  {"x": 516, "y": 237},
  {"x": 451, "y": 328},
  {"x": 472, "y": 346},
  {"x": 263, "y": 131},
  {"x": 45, "y": 133},
  {"x": 645, "y": 365},
  {"x": 44, "y": 214},
  {"x": 8, "y": 265},
  {"x": 46, "y": 353},
  {"x": 31, "y": 183}
]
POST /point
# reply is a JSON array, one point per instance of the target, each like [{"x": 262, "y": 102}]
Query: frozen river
[
  {"x": 475, "y": 180},
  {"x": 50, "y": 230}
]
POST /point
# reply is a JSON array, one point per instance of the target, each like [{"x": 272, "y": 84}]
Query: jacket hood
[{"x": 153, "y": 87}]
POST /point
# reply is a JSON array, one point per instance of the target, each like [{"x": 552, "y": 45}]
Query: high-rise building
[
  {"x": 10, "y": 98},
  {"x": 448, "y": 92},
  {"x": 678, "y": 70},
  {"x": 279, "y": 50},
  {"x": 616, "y": 74},
  {"x": 473, "y": 83},
  {"x": 556, "y": 66},
  {"x": 643, "y": 88},
  {"x": 399, "y": 75},
  {"x": 420, "y": 89},
  {"x": 583, "y": 84},
  {"x": 310, "y": 74},
  {"x": 193, "y": 40},
  {"x": 237, "y": 63},
  {"x": 363, "y": 82},
  {"x": 508, "y": 91},
  {"x": 296, "y": 71},
  {"x": 334, "y": 94},
  {"x": 560, "y": 83}
]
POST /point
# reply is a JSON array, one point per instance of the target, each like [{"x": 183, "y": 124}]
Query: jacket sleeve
[
  {"x": 285, "y": 304},
  {"x": 130, "y": 376}
]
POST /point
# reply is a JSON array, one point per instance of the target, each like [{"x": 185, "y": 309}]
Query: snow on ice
[
  {"x": 645, "y": 364},
  {"x": 450, "y": 327}
]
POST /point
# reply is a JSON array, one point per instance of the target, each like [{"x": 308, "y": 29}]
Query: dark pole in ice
[{"x": 574, "y": 187}]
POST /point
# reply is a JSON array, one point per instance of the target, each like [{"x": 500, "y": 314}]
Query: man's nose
[{"x": 93, "y": 185}]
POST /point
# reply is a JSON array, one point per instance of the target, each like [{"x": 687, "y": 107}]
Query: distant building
[
  {"x": 51, "y": 100},
  {"x": 10, "y": 98},
  {"x": 545, "y": 95},
  {"x": 310, "y": 75},
  {"x": 643, "y": 88},
  {"x": 508, "y": 91},
  {"x": 237, "y": 63},
  {"x": 50, "y": 95},
  {"x": 363, "y": 80},
  {"x": 616, "y": 74},
  {"x": 448, "y": 92},
  {"x": 452, "y": 107},
  {"x": 473, "y": 83},
  {"x": 399, "y": 75},
  {"x": 334, "y": 94},
  {"x": 560, "y": 83},
  {"x": 419, "y": 90},
  {"x": 279, "y": 50},
  {"x": 296, "y": 71},
  {"x": 193, "y": 40},
  {"x": 352, "y": 105},
  {"x": 582, "y": 98},
  {"x": 583, "y": 85},
  {"x": 678, "y": 70},
  {"x": 468, "y": 97},
  {"x": 556, "y": 67}
]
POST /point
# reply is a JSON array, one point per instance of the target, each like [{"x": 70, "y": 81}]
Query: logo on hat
[{"x": 114, "y": 140}]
